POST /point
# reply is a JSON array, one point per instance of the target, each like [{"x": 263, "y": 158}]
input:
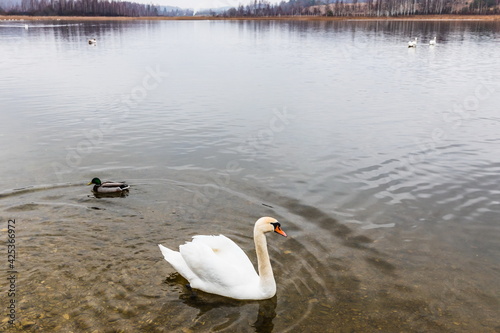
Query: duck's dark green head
[{"x": 96, "y": 181}]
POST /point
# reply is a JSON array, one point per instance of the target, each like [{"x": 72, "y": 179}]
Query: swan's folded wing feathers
[
  {"x": 177, "y": 261},
  {"x": 216, "y": 268},
  {"x": 227, "y": 250}
]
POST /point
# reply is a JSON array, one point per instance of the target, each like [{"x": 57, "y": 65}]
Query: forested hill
[
  {"x": 77, "y": 8},
  {"x": 375, "y": 8},
  {"x": 258, "y": 8}
]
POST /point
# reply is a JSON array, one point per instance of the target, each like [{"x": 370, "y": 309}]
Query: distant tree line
[
  {"x": 375, "y": 8},
  {"x": 81, "y": 8},
  {"x": 259, "y": 8}
]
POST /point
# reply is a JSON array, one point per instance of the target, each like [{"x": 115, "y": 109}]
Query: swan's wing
[
  {"x": 226, "y": 250},
  {"x": 175, "y": 259},
  {"x": 218, "y": 263}
]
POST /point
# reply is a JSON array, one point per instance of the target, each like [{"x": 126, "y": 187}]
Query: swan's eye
[{"x": 277, "y": 229}]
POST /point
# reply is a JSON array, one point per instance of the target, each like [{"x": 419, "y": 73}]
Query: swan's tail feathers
[
  {"x": 175, "y": 259},
  {"x": 167, "y": 253}
]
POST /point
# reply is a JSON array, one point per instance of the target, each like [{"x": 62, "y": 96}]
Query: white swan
[
  {"x": 412, "y": 43},
  {"x": 433, "y": 41},
  {"x": 216, "y": 265}
]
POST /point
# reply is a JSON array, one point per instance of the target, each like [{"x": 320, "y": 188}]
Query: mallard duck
[
  {"x": 107, "y": 187},
  {"x": 216, "y": 265}
]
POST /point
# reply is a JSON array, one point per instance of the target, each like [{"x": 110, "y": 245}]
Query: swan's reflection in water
[
  {"x": 234, "y": 312},
  {"x": 267, "y": 313}
]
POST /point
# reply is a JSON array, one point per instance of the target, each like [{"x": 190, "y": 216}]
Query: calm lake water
[{"x": 381, "y": 162}]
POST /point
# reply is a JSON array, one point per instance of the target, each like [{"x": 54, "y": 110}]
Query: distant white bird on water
[
  {"x": 412, "y": 43},
  {"x": 92, "y": 41},
  {"x": 433, "y": 41},
  {"x": 26, "y": 26}
]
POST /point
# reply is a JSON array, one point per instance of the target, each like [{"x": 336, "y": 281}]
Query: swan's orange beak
[{"x": 279, "y": 230}]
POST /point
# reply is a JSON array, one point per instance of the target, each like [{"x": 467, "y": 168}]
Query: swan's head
[{"x": 268, "y": 224}]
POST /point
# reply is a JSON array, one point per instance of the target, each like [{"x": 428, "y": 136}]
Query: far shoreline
[{"x": 444, "y": 17}]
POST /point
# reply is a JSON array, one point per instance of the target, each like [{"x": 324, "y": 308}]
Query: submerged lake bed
[{"x": 380, "y": 162}]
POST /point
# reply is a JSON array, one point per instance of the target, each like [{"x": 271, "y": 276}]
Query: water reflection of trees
[
  {"x": 75, "y": 34},
  {"x": 403, "y": 28}
]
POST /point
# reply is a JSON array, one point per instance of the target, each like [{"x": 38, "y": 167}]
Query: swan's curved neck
[{"x": 263, "y": 261}]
